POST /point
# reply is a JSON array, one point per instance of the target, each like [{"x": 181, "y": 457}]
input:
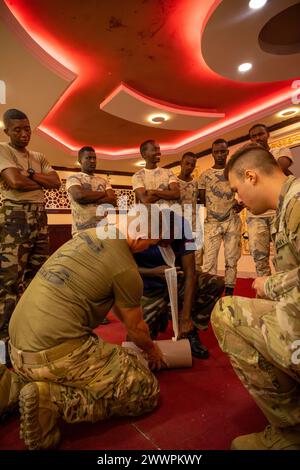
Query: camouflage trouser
[
  {"x": 230, "y": 232},
  {"x": 258, "y": 336},
  {"x": 24, "y": 247},
  {"x": 156, "y": 308},
  {"x": 97, "y": 380},
  {"x": 259, "y": 232}
]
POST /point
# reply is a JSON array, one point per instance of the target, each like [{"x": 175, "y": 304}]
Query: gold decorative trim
[{"x": 288, "y": 141}]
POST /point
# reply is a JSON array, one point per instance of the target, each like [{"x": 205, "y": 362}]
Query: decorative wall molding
[{"x": 289, "y": 141}]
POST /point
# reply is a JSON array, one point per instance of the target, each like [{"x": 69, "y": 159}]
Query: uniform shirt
[
  {"x": 188, "y": 195},
  {"x": 12, "y": 158},
  {"x": 219, "y": 199},
  {"x": 286, "y": 240},
  {"x": 74, "y": 290},
  {"x": 84, "y": 215},
  {"x": 277, "y": 153},
  {"x": 158, "y": 178}
]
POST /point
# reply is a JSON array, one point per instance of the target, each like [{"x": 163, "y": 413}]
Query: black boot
[{"x": 229, "y": 290}]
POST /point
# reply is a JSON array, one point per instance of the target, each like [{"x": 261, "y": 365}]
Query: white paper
[{"x": 171, "y": 278}]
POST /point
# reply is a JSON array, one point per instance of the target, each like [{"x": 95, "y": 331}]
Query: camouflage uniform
[
  {"x": 156, "y": 310},
  {"x": 71, "y": 294},
  {"x": 97, "y": 380},
  {"x": 222, "y": 223},
  {"x": 188, "y": 196},
  {"x": 24, "y": 240},
  {"x": 258, "y": 334},
  {"x": 84, "y": 215},
  {"x": 259, "y": 229},
  {"x": 159, "y": 178}
]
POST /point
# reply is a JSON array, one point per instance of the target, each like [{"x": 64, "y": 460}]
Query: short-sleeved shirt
[
  {"x": 74, "y": 290},
  {"x": 188, "y": 196},
  {"x": 159, "y": 178},
  {"x": 277, "y": 153},
  {"x": 12, "y": 158},
  {"x": 219, "y": 199},
  {"x": 152, "y": 258},
  {"x": 84, "y": 215}
]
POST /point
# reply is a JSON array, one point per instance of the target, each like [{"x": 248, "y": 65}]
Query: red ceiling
[{"x": 151, "y": 45}]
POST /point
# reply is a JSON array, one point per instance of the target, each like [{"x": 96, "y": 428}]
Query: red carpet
[{"x": 204, "y": 407}]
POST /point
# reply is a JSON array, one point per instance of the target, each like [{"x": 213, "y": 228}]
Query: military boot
[
  {"x": 270, "y": 439},
  {"x": 39, "y": 413},
  {"x": 10, "y": 387}
]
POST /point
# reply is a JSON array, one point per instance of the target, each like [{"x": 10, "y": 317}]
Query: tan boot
[
  {"x": 39, "y": 414},
  {"x": 270, "y": 439},
  {"x": 10, "y": 387}
]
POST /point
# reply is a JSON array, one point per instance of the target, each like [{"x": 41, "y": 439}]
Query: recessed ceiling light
[
  {"x": 245, "y": 67},
  {"x": 256, "y": 4},
  {"x": 158, "y": 118},
  {"x": 288, "y": 112},
  {"x": 141, "y": 163}
]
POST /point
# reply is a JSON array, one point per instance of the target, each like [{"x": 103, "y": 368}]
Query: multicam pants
[
  {"x": 24, "y": 247},
  {"x": 230, "y": 232},
  {"x": 156, "y": 308},
  {"x": 97, "y": 380},
  {"x": 259, "y": 232},
  {"x": 258, "y": 336}
]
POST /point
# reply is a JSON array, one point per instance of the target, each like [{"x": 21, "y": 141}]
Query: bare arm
[
  {"x": 15, "y": 180},
  {"x": 48, "y": 181},
  {"x": 285, "y": 163},
  {"x": 86, "y": 196},
  {"x": 138, "y": 332},
  {"x": 190, "y": 278},
  {"x": 169, "y": 194},
  {"x": 108, "y": 198},
  {"x": 143, "y": 196}
]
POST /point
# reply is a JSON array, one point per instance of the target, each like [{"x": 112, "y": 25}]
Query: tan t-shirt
[
  {"x": 12, "y": 158},
  {"x": 84, "y": 215},
  {"x": 277, "y": 153},
  {"x": 188, "y": 196},
  {"x": 74, "y": 290}
]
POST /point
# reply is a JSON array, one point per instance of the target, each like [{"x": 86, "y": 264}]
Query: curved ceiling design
[
  {"x": 130, "y": 105},
  {"x": 239, "y": 36},
  {"x": 152, "y": 46}
]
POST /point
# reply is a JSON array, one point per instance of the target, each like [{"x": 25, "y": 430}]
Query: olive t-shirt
[
  {"x": 74, "y": 290},
  {"x": 12, "y": 158}
]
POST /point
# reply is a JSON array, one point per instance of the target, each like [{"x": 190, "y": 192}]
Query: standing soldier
[
  {"x": 222, "y": 220},
  {"x": 261, "y": 335},
  {"x": 87, "y": 191},
  {"x": 259, "y": 227},
  {"x": 23, "y": 220},
  {"x": 153, "y": 184}
]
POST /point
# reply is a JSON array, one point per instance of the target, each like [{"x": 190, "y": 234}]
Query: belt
[
  {"x": 30, "y": 206},
  {"x": 48, "y": 355}
]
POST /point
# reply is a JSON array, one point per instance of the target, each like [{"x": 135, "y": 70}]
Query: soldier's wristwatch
[{"x": 31, "y": 172}]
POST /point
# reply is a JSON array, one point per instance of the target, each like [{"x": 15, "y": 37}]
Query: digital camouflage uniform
[
  {"x": 258, "y": 334},
  {"x": 159, "y": 178},
  {"x": 222, "y": 224},
  {"x": 24, "y": 240},
  {"x": 71, "y": 294},
  {"x": 84, "y": 215},
  {"x": 260, "y": 227}
]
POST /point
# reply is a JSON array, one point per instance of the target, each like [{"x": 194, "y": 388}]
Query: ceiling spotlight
[
  {"x": 141, "y": 163},
  {"x": 256, "y": 4},
  {"x": 158, "y": 118},
  {"x": 288, "y": 112},
  {"x": 245, "y": 67}
]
